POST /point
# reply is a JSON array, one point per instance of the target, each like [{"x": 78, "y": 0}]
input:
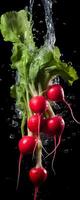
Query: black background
[{"x": 65, "y": 184}]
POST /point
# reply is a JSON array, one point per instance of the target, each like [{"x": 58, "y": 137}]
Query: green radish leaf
[
  {"x": 15, "y": 27},
  {"x": 42, "y": 79},
  {"x": 43, "y": 58},
  {"x": 20, "y": 60},
  {"x": 20, "y": 57},
  {"x": 35, "y": 66},
  {"x": 56, "y": 54},
  {"x": 67, "y": 72}
]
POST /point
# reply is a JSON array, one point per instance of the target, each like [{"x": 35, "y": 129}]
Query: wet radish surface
[{"x": 65, "y": 183}]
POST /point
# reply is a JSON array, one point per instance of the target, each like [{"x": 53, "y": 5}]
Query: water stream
[{"x": 50, "y": 34}]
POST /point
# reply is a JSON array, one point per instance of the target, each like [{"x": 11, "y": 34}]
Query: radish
[
  {"x": 37, "y": 104},
  {"x": 56, "y": 93},
  {"x": 37, "y": 176},
  {"x": 33, "y": 123},
  {"x": 55, "y": 127},
  {"x": 26, "y": 145}
]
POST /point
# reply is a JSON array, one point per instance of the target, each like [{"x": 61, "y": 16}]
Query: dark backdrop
[{"x": 65, "y": 184}]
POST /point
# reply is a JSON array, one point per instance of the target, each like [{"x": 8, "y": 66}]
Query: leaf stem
[
  {"x": 29, "y": 113},
  {"x": 39, "y": 154},
  {"x": 32, "y": 90},
  {"x": 23, "y": 124},
  {"x": 50, "y": 109}
]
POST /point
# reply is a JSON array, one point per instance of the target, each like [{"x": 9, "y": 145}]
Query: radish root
[
  {"x": 35, "y": 192},
  {"x": 54, "y": 156},
  {"x": 59, "y": 141},
  {"x": 19, "y": 167},
  {"x": 69, "y": 107}
]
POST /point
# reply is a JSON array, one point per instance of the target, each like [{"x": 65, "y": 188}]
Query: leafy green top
[{"x": 35, "y": 66}]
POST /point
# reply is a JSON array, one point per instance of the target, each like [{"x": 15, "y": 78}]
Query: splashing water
[
  {"x": 50, "y": 34},
  {"x": 31, "y": 6}
]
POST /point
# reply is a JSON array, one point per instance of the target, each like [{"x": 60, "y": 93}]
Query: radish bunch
[
  {"x": 42, "y": 119},
  {"x": 36, "y": 67}
]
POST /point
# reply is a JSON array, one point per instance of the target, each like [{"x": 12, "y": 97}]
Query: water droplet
[
  {"x": 57, "y": 19},
  {"x": 69, "y": 63},
  {"x": 68, "y": 137},
  {"x": 73, "y": 134},
  {"x": 0, "y": 79},
  {"x": 72, "y": 122},
  {"x": 46, "y": 142},
  {"x": 39, "y": 5},
  {"x": 8, "y": 119},
  {"x": 14, "y": 123},
  {"x": 71, "y": 97},
  {"x": 40, "y": 22},
  {"x": 74, "y": 51},
  {"x": 34, "y": 29},
  {"x": 12, "y": 108},
  {"x": 63, "y": 140},
  {"x": 70, "y": 150},
  {"x": 37, "y": 31},
  {"x": 43, "y": 32},
  {"x": 19, "y": 113},
  {"x": 66, "y": 151},
  {"x": 64, "y": 23},
  {"x": 55, "y": 1},
  {"x": 12, "y": 136},
  {"x": 2, "y": 109}
]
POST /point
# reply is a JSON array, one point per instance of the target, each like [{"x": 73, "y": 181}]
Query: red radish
[
  {"x": 37, "y": 175},
  {"x": 56, "y": 93},
  {"x": 37, "y": 104},
  {"x": 33, "y": 123},
  {"x": 26, "y": 145},
  {"x": 55, "y": 125}
]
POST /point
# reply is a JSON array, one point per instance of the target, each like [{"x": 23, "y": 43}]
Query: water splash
[
  {"x": 31, "y": 6},
  {"x": 50, "y": 35}
]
